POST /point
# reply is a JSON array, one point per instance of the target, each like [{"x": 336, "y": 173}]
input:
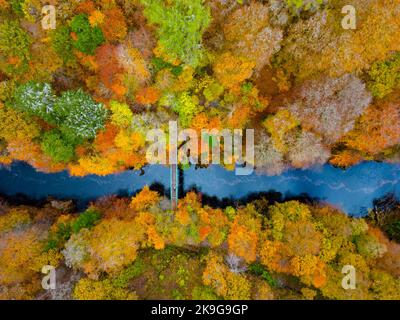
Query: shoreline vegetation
[
  {"x": 136, "y": 248},
  {"x": 83, "y": 96}
]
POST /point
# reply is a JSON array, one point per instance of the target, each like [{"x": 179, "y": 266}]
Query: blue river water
[{"x": 351, "y": 190}]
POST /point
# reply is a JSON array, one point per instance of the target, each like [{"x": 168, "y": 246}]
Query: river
[{"x": 352, "y": 190}]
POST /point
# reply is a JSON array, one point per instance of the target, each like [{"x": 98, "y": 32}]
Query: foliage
[
  {"x": 86, "y": 219},
  {"x": 17, "y": 126},
  {"x": 160, "y": 64},
  {"x": 17, "y": 6},
  {"x": 377, "y": 129},
  {"x": 298, "y": 5},
  {"x": 243, "y": 236},
  {"x": 114, "y": 26},
  {"x": 113, "y": 244},
  {"x": 62, "y": 43},
  {"x": 292, "y": 243},
  {"x": 87, "y": 289},
  {"x": 147, "y": 96},
  {"x": 231, "y": 70},
  {"x": 259, "y": 270},
  {"x": 330, "y": 106},
  {"x": 15, "y": 218},
  {"x": 80, "y": 116},
  {"x": 278, "y": 126},
  {"x": 248, "y": 33},
  {"x": 144, "y": 199},
  {"x": 203, "y": 293},
  {"x": 129, "y": 273},
  {"x": 85, "y": 37},
  {"x": 14, "y": 45},
  {"x": 66, "y": 227},
  {"x": 36, "y": 99},
  {"x": 384, "y": 76},
  {"x": 345, "y": 51},
  {"x": 393, "y": 230},
  {"x": 121, "y": 114},
  {"x": 186, "y": 106}
]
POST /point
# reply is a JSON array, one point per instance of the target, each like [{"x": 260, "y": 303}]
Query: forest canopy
[{"x": 313, "y": 90}]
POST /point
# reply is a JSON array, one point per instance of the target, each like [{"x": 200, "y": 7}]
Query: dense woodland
[{"x": 83, "y": 96}]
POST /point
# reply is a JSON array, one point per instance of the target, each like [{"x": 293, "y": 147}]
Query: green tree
[
  {"x": 62, "y": 43},
  {"x": 36, "y": 99},
  {"x": 80, "y": 116},
  {"x": 16, "y": 6},
  {"x": 304, "y": 5},
  {"x": 384, "y": 76},
  {"x": 180, "y": 27},
  {"x": 55, "y": 146},
  {"x": 88, "y": 38}
]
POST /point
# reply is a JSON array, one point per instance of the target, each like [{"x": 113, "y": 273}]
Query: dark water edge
[{"x": 353, "y": 190}]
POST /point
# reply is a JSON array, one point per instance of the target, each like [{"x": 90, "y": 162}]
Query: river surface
[{"x": 352, "y": 190}]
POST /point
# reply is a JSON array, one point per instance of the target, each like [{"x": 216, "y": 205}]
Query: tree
[
  {"x": 306, "y": 150},
  {"x": 135, "y": 66},
  {"x": 214, "y": 274},
  {"x": 16, "y": 125},
  {"x": 385, "y": 286},
  {"x": 346, "y": 158},
  {"x": 121, "y": 114},
  {"x": 384, "y": 76},
  {"x": 85, "y": 38},
  {"x": 291, "y": 210},
  {"x": 17, "y": 260},
  {"x": 109, "y": 69},
  {"x": 55, "y": 146},
  {"x": 267, "y": 158},
  {"x": 186, "y": 106},
  {"x": 144, "y": 199},
  {"x": 330, "y": 106},
  {"x": 80, "y": 116},
  {"x": 87, "y": 289},
  {"x": 304, "y": 5},
  {"x": 129, "y": 141},
  {"x": 14, "y": 45},
  {"x": 239, "y": 288},
  {"x": 278, "y": 126},
  {"x": 148, "y": 96},
  {"x": 13, "y": 219},
  {"x": 345, "y": 51},
  {"x": 113, "y": 244},
  {"x": 243, "y": 235},
  {"x": 377, "y": 129},
  {"x": 36, "y": 99},
  {"x": 231, "y": 70},
  {"x": 248, "y": 33},
  {"x": 114, "y": 25},
  {"x": 62, "y": 43},
  {"x": 181, "y": 24}
]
